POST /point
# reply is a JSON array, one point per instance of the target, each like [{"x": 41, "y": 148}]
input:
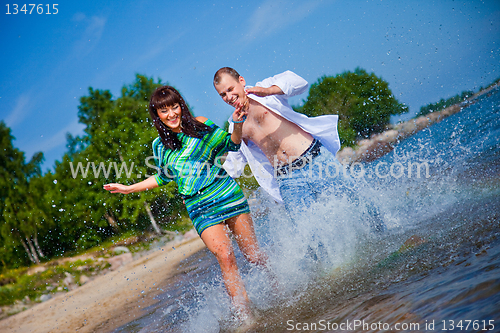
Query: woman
[{"x": 186, "y": 151}]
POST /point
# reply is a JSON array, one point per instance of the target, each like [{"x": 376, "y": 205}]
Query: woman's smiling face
[{"x": 171, "y": 116}]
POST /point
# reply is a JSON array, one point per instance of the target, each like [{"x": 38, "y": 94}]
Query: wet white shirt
[{"x": 323, "y": 128}]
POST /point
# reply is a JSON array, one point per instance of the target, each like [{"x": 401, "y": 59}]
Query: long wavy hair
[{"x": 167, "y": 96}]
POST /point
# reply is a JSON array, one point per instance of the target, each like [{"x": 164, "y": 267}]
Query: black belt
[{"x": 304, "y": 158}]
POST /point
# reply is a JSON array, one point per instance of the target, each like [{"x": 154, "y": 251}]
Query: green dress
[{"x": 210, "y": 194}]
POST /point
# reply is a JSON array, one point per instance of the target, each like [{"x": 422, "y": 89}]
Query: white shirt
[{"x": 323, "y": 128}]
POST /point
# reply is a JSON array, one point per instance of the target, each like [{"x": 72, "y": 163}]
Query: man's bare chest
[{"x": 260, "y": 123}]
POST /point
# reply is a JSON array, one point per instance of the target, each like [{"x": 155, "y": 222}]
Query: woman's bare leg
[
  {"x": 217, "y": 240},
  {"x": 242, "y": 228}
]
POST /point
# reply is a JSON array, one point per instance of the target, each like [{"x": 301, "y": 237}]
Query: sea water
[{"x": 435, "y": 268}]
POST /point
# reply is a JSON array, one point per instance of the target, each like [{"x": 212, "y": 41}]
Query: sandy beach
[{"x": 107, "y": 302}]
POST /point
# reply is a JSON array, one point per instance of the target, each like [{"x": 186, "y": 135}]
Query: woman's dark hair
[{"x": 168, "y": 96}]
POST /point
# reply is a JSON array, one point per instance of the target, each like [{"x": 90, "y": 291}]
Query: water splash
[{"x": 362, "y": 274}]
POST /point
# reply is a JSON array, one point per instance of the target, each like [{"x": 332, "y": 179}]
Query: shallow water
[{"x": 449, "y": 282}]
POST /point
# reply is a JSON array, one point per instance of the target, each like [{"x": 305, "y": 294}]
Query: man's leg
[{"x": 298, "y": 196}]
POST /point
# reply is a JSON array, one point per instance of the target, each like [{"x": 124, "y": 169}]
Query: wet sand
[{"x": 107, "y": 302}]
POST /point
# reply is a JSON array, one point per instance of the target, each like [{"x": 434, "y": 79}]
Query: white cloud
[
  {"x": 78, "y": 17},
  {"x": 58, "y": 139},
  {"x": 273, "y": 16},
  {"x": 91, "y": 35},
  {"x": 19, "y": 112}
]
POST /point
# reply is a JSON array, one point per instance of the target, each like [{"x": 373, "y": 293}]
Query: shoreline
[
  {"x": 110, "y": 300},
  {"x": 368, "y": 150}
]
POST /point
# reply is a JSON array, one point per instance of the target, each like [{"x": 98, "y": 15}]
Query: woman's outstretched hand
[
  {"x": 117, "y": 188},
  {"x": 146, "y": 184}
]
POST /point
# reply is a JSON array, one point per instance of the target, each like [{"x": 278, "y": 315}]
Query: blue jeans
[{"x": 322, "y": 175}]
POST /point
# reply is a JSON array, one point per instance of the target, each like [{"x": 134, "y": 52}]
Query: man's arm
[
  {"x": 287, "y": 83},
  {"x": 263, "y": 92}
]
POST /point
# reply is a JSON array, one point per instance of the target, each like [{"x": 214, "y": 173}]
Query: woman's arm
[
  {"x": 146, "y": 184},
  {"x": 239, "y": 117}
]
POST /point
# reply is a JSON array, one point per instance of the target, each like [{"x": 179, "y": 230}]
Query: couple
[{"x": 264, "y": 129}]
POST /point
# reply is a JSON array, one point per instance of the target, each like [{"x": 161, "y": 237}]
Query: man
[
  {"x": 291, "y": 155},
  {"x": 280, "y": 145}
]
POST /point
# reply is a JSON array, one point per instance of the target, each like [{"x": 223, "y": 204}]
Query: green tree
[
  {"x": 116, "y": 147},
  {"x": 68, "y": 209},
  {"x": 363, "y": 102},
  {"x": 21, "y": 219}
]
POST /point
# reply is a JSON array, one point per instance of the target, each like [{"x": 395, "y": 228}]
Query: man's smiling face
[{"x": 231, "y": 90}]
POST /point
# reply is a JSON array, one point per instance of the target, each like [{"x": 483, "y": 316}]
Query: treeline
[
  {"x": 443, "y": 104},
  {"x": 67, "y": 210}
]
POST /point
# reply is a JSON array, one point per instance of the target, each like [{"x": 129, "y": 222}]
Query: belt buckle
[
  {"x": 283, "y": 170},
  {"x": 299, "y": 163}
]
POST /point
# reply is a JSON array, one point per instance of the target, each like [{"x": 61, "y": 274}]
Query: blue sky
[{"x": 426, "y": 50}]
